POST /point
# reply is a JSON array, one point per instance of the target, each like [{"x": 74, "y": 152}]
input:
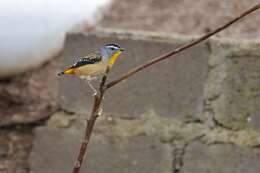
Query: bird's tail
[{"x": 67, "y": 71}]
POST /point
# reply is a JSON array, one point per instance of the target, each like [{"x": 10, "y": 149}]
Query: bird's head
[{"x": 110, "y": 52}]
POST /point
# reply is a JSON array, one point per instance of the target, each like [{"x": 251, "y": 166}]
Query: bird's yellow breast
[{"x": 113, "y": 59}]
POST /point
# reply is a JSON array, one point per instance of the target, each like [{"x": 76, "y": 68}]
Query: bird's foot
[
  {"x": 95, "y": 94},
  {"x": 100, "y": 111}
]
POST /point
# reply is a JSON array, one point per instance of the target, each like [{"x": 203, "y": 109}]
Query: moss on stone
[
  {"x": 245, "y": 137},
  {"x": 170, "y": 129},
  {"x": 61, "y": 120},
  {"x": 166, "y": 129}
]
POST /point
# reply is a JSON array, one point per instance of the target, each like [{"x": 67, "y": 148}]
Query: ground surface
[{"x": 32, "y": 96}]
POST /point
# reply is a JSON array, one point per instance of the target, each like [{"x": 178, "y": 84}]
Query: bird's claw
[
  {"x": 100, "y": 111},
  {"x": 95, "y": 94}
]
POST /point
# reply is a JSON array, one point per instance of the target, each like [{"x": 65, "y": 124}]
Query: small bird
[{"x": 95, "y": 63}]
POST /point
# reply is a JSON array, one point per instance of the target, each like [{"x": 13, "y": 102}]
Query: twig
[
  {"x": 103, "y": 87},
  {"x": 96, "y": 111},
  {"x": 181, "y": 48}
]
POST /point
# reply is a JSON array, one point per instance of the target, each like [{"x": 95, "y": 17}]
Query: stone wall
[{"x": 198, "y": 112}]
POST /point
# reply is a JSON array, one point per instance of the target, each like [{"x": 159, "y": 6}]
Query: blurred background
[
  {"x": 33, "y": 31},
  {"x": 33, "y": 34}
]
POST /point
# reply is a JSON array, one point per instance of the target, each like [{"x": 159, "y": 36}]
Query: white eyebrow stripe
[{"x": 111, "y": 46}]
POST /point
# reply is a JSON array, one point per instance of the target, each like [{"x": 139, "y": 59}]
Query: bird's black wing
[{"x": 91, "y": 58}]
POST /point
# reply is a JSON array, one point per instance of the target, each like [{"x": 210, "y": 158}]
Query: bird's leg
[
  {"x": 100, "y": 110},
  {"x": 93, "y": 78},
  {"x": 91, "y": 86}
]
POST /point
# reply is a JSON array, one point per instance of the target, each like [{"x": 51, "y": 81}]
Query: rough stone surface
[
  {"x": 15, "y": 146},
  {"x": 172, "y": 88},
  {"x": 29, "y": 97},
  {"x": 232, "y": 88},
  {"x": 184, "y": 17},
  {"x": 55, "y": 151},
  {"x": 220, "y": 158}
]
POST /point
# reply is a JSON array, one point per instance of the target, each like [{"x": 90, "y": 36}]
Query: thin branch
[
  {"x": 181, "y": 48},
  {"x": 96, "y": 111}
]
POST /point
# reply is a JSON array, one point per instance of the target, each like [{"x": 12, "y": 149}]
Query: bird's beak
[{"x": 122, "y": 49}]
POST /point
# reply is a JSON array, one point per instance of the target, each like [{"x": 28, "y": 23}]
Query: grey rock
[
  {"x": 55, "y": 151},
  {"x": 3, "y": 149},
  {"x": 22, "y": 170},
  {"x": 220, "y": 158},
  {"x": 232, "y": 92}
]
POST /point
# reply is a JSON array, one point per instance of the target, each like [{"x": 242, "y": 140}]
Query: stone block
[
  {"x": 220, "y": 158},
  {"x": 172, "y": 88},
  {"x": 232, "y": 92},
  {"x": 55, "y": 151}
]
